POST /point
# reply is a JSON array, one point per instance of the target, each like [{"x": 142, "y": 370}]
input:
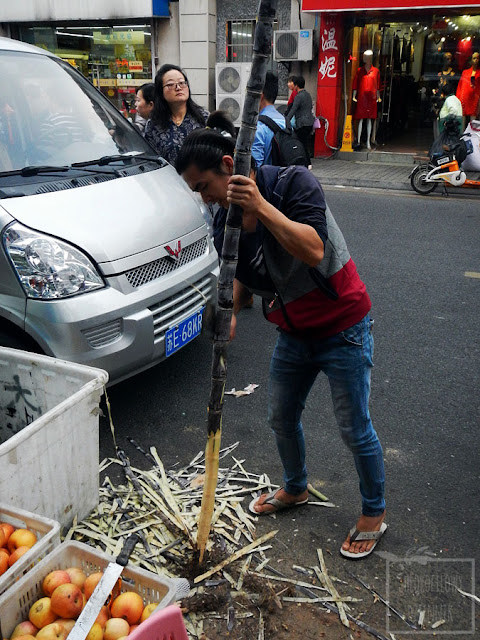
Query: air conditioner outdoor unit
[
  {"x": 293, "y": 45},
  {"x": 230, "y": 84}
]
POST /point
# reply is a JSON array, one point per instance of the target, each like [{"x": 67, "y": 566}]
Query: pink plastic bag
[{"x": 167, "y": 624}]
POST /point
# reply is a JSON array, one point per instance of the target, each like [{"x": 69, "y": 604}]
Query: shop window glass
[
  {"x": 417, "y": 58},
  {"x": 117, "y": 59},
  {"x": 240, "y": 38}
]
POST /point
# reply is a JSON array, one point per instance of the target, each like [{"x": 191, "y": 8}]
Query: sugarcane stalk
[{"x": 242, "y": 162}]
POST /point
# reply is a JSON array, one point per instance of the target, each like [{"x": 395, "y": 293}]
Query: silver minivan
[{"x": 105, "y": 254}]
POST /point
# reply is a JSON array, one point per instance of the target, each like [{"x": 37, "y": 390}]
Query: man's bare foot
[
  {"x": 365, "y": 523},
  {"x": 282, "y": 496}
]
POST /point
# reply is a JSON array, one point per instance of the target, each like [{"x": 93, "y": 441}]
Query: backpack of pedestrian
[{"x": 287, "y": 149}]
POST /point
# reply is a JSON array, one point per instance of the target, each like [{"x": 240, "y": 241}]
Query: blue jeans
[{"x": 346, "y": 359}]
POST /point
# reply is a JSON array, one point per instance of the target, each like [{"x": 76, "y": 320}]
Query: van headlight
[{"x": 49, "y": 268}]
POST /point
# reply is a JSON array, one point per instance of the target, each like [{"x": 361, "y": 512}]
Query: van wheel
[{"x": 15, "y": 339}]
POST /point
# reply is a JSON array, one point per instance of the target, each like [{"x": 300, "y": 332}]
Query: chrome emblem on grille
[{"x": 174, "y": 253}]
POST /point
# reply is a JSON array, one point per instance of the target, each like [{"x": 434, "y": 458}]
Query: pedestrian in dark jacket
[
  {"x": 294, "y": 256},
  {"x": 302, "y": 110}
]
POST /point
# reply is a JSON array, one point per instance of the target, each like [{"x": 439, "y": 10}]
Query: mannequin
[
  {"x": 447, "y": 71},
  {"x": 366, "y": 93},
  {"x": 468, "y": 90},
  {"x": 445, "y": 76}
]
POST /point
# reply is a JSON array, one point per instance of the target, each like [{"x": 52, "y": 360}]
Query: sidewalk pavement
[{"x": 360, "y": 173}]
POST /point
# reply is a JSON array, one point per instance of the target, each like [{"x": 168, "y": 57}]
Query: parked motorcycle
[{"x": 445, "y": 169}]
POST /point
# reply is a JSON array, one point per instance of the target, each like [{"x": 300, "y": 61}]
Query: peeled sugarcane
[{"x": 261, "y": 55}]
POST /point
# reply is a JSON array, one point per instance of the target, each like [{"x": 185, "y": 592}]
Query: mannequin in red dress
[
  {"x": 468, "y": 90},
  {"x": 366, "y": 93}
]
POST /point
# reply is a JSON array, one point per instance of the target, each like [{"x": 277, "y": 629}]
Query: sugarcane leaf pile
[{"x": 238, "y": 587}]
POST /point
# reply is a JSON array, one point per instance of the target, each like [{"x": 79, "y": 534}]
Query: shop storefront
[
  {"x": 420, "y": 51},
  {"x": 114, "y": 43},
  {"x": 116, "y": 58}
]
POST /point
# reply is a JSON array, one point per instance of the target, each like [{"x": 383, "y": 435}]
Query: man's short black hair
[
  {"x": 300, "y": 82},
  {"x": 270, "y": 90}
]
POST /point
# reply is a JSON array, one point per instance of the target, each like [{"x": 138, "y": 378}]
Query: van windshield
[{"x": 51, "y": 115}]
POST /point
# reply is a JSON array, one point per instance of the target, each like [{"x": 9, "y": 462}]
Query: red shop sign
[
  {"x": 365, "y": 5},
  {"x": 329, "y": 83}
]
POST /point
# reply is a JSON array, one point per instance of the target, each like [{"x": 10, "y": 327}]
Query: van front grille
[
  {"x": 158, "y": 268},
  {"x": 176, "y": 308}
]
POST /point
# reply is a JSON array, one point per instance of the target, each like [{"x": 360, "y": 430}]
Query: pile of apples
[
  {"x": 13, "y": 544},
  {"x": 66, "y": 592}
]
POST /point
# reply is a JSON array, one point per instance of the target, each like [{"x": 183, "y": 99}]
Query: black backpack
[{"x": 286, "y": 147}]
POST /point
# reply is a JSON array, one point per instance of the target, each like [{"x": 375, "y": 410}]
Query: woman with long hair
[
  {"x": 293, "y": 255},
  {"x": 174, "y": 114}
]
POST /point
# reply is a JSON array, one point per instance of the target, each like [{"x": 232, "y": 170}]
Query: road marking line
[{"x": 471, "y": 274}]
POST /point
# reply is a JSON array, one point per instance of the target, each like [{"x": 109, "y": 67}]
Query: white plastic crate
[
  {"x": 49, "y": 445},
  {"x": 16, "y": 602},
  {"x": 48, "y": 537}
]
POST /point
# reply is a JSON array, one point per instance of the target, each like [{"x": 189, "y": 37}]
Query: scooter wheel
[{"x": 417, "y": 180}]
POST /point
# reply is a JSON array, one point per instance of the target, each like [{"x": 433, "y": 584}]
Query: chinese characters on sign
[{"x": 328, "y": 63}]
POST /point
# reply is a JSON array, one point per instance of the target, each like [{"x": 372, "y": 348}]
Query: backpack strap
[{"x": 271, "y": 124}]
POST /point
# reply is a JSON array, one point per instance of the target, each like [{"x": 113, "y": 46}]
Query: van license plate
[{"x": 182, "y": 333}]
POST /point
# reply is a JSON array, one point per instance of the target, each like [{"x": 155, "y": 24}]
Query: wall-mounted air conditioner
[
  {"x": 293, "y": 45},
  {"x": 230, "y": 85}
]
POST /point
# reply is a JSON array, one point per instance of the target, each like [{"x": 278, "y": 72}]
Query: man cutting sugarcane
[{"x": 294, "y": 256}]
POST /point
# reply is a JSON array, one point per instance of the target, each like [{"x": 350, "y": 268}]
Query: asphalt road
[{"x": 413, "y": 253}]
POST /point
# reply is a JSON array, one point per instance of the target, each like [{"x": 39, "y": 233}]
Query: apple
[
  {"x": 24, "y": 628},
  {"x": 77, "y": 576},
  {"x": 115, "y": 628},
  {"x": 53, "y": 580},
  {"x": 129, "y": 606},
  {"x": 149, "y": 609},
  {"x": 16, "y": 554},
  {"x": 26, "y": 637},
  {"x": 67, "y": 600},
  {"x": 8, "y": 529},
  {"x": 52, "y": 631},
  {"x": 91, "y": 582},
  {"x": 21, "y": 538},
  {"x": 95, "y": 633},
  {"x": 103, "y": 616},
  {"x": 66, "y": 623},
  {"x": 41, "y": 613},
  {"x": 4, "y": 566}
]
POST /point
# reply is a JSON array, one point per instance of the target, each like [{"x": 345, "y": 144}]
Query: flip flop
[
  {"x": 279, "y": 505},
  {"x": 356, "y": 535}
]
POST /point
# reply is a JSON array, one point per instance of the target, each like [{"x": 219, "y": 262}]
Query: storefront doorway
[{"x": 416, "y": 58}]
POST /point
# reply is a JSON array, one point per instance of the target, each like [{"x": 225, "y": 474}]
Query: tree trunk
[{"x": 261, "y": 55}]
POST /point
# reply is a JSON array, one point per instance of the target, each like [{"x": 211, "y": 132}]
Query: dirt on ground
[
  {"x": 260, "y": 611},
  {"x": 305, "y": 622}
]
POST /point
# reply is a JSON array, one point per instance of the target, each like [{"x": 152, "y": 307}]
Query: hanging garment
[
  {"x": 366, "y": 83},
  {"x": 468, "y": 91},
  {"x": 397, "y": 64}
]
